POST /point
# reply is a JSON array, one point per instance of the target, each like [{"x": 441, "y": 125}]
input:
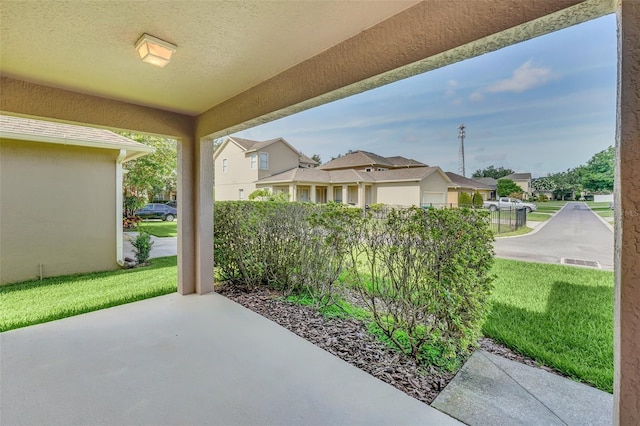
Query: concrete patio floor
[{"x": 187, "y": 360}]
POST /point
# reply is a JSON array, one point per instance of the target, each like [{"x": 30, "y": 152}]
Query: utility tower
[{"x": 461, "y": 154}]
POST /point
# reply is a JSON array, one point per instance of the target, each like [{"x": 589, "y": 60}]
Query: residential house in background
[
  {"x": 523, "y": 180},
  {"x": 412, "y": 186},
  {"x": 461, "y": 184},
  {"x": 240, "y": 163},
  {"x": 492, "y": 184},
  {"x": 60, "y": 198},
  {"x": 358, "y": 178}
]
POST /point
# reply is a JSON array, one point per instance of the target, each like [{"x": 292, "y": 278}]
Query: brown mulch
[{"x": 349, "y": 340}]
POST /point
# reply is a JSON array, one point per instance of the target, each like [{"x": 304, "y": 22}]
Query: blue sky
[{"x": 541, "y": 106}]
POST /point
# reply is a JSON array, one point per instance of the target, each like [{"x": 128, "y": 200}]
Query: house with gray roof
[
  {"x": 461, "y": 184},
  {"x": 60, "y": 187},
  {"x": 358, "y": 178},
  {"x": 415, "y": 186},
  {"x": 523, "y": 180}
]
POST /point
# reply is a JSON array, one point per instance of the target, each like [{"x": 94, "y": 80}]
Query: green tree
[
  {"x": 260, "y": 194},
  {"x": 464, "y": 200},
  {"x": 543, "y": 184},
  {"x": 492, "y": 172},
  {"x": 316, "y": 157},
  {"x": 598, "y": 174},
  {"x": 154, "y": 173},
  {"x": 477, "y": 200},
  {"x": 507, "y": 187}
]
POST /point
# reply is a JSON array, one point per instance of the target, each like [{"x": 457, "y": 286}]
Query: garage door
[{"x": 433, "y": 199}]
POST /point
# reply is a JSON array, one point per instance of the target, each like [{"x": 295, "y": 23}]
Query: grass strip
[
  {"x": 538, "y": 217},
  {"x": 160, "y": 229},
  {"x": 561, "y": 316},
  {"x": 34, "y": 302}
]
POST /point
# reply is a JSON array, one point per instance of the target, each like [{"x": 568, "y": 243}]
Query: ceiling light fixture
[{"x": 155, "y": 51}]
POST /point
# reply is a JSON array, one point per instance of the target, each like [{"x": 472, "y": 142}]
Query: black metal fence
[
  {"x": 502, "y": 221},
  {"x": 507, "y": 220}
]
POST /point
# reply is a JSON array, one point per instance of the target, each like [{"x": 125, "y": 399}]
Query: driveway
[
  {"x": 167, "y": 246},
  {"x": 575, "y": 232}
]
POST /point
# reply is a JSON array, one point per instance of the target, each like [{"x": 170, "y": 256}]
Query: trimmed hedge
[{"x": 422, "y": 273}]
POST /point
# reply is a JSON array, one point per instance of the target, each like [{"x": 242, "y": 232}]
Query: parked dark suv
[
  {"x": 158, "y": 211},
  {"x": 172, "y": 203}
]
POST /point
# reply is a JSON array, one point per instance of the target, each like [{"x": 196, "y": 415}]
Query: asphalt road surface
[{"x": 575, "y": 232}]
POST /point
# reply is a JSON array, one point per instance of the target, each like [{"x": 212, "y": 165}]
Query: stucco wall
[
  {"x": 239, "y": 173},
  {"x": 398, "y": 193},
  {"x": 627, "y": 230},
  {"x": 57, "y": 209},
  {"x": 281, "y": 158}
]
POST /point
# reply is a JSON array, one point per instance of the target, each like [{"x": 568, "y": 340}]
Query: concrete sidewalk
[{"x": 492, "y": 390}]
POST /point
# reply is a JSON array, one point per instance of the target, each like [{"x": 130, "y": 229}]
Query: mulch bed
[{"x": 349, "y": 340}]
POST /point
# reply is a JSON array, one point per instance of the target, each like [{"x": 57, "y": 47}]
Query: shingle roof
[
  {"x": 400, "y": 161},
  {"x": 491, "y": 182},
  {"x": 365, "y": 158},
  {"x": 69, "y": 134},
  {"x": 518, "y": 176},
  {"x": 317, "y": 175},
  {"x": 307, "y": 160},
  {"x": 464, "y": 182}
]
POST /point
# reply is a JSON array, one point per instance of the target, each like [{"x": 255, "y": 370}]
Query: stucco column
[
  {"x": 195, "y": 216},
  {"x": 329, "y": 193},
  {"x": 626, "y": 388},
  {"x": 345, "y": 194},
  {"x": 312, "y": 195},
  {"x": 361, "y": 195},
  {"x": 292, "y": 192}
]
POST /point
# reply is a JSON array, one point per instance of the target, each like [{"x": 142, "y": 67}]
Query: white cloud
[
  {"x": 451, "y": 88},
  {"x": 457, "y": 101},
  {"x": 525, "y": 77},
  {"x": 476, "y": 97}
]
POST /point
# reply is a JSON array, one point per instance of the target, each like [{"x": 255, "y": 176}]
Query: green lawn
[
  {"x": 562, "y": 316},
  {"x": 160, "y": 229},
  {"x": 538, "y": 217},
  {"x": 550, "y": 206},
  {"x": 34, "y": 302},
  {"x": 520, "y": 231}
]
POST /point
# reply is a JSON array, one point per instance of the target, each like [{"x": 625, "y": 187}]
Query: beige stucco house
[
  {"x": 358, "y": 178},
  {"x": 240, "y": 163},
  {"x": 229, "y": 77},
  {"x": 461, "y": 184},
  {"x": 416, "y": 186},
  {"x": 523, "y": 180},
  {"x": 60, "y": 198}
]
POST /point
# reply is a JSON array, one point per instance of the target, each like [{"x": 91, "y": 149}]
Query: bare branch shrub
[{"x": 424, "y": 275}]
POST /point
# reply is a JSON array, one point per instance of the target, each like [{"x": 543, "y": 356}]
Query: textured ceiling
[{"x": 224, "y": 48}]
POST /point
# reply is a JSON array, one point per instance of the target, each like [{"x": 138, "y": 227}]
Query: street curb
[
  {"x": 535, "y": 229},
  {"x": 602, "y": 219}
]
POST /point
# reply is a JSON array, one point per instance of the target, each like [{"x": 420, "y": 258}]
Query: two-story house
[
  {"x": 240, "y": 163},
  {"x": 358, "y": 178}
]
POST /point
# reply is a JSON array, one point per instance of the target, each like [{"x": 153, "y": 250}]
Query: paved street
[{"x": 575, "y": 232}]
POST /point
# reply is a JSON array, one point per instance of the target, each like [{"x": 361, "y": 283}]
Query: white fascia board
[{"x": 133, "y": 150}]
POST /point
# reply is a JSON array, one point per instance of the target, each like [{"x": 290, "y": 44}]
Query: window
[
  {"x": 368, "y": 169},
  {"x": 225, "y": 166},
  {"x": 240, "y": 194},
  {"x": 381, "y": 169},
  {"x": 264, "y": 161},
  {"x": 337, "y": 194},
  {"x": 254, "y": 161}
]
